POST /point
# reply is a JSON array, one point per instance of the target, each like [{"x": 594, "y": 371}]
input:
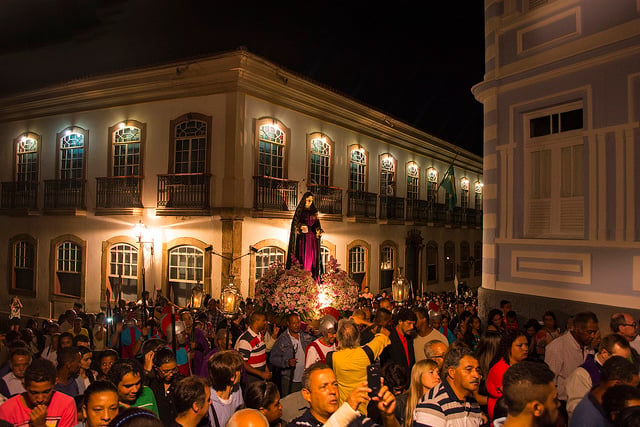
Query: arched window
[
  {"x": 23, "y": 265},
  {"x": 190, "y": 142},
  {"x": 449, "y": 261},
  {"x": 478, "y": 195},
  {"x": 267, "y": 256},
  {"x": 27, "y": 149},
  {"x": 186, "y": 269},
  {"x": 271, "y": 147},
  {"x": 387, "y": 265},
  {"x": 358, "y": 169},
  {"x": 357, "y": 264},
  {"x": 123, "y": 271},
  {"x": 69, "y": 266},
  {"x": 432, "y": 262},
  {"x": 413, "y": 181},
  {"x": 72, "y": 146},
  {"x": 432, "y": 186},
  {"x": 126, "y": 143},
  {"x": 477, "y": 255},
  {"x": 320, "y": 161},
  {"x": 465, "y": 265},
  {"x": 464, "y": 193},
  {"x": 387, "y": 175}
]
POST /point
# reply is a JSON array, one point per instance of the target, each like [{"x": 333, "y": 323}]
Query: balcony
[
  {"x": 274, "y": 196},
  {"x": 362, "y": 205},
  {"x": 64, "y": 196},
  {"x": 392, "y": 208},
  {"x": 119, "y": 195},
  {"x": 418, "y": 211},
  {"x": 19, "y": 197},
  {"x": 183, "y": 194},
  {"x": 328, "y": 200}
]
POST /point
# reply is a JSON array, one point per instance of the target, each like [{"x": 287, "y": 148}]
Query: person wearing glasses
[
  {"x": 435, "y": 350},
  {"x": 127, "y": 376},
  {"x": 163, "y": 382},
  {"x": 40, "y": 405},
  {"x": 623, "y": 324}
]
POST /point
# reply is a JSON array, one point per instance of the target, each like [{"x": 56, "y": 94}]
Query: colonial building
[
  {"x": 187, "y": 174},
  {"x": 561, "y": 97}
]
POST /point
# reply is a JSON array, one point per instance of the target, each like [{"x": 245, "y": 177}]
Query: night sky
[{"x": 414, "y": 64}]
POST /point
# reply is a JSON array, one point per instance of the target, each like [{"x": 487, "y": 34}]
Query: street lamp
[
  {"x": 196, "y": 296},
  {"x": 140, "y": 231},
  {"x": 400, "y": 287}
]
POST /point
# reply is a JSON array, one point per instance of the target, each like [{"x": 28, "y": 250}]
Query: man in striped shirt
[
  {"x": 451, "y": 403},
  {"x": 253, "y": 350}
]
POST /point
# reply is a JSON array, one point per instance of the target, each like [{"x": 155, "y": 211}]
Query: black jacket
[{"x": 394, "y": 352}]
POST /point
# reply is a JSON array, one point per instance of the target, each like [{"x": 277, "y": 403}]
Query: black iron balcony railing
[
  {"x": 362, "y": 204},
  {"x": 184, "y": 191},
  {"x": 64, "y": 193},
  {"x": 418, "y": 210},
  {"x": 119, "y": 192},
  {"x": 327, "y": 199},
  {"x": 19, "y": 195},
  {"x": 391, "y": 207},
  {"x": 275, "y": 193}
]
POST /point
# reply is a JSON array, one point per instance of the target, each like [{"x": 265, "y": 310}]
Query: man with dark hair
[
  {"x": 81, "y": 340},
  {"x": 65, "y": 340},
  {"x": 67, "y": 370},
  {"x": 382, "y": 319},
  {"x": 288, "y": 353},
  {"x": 401, "y": 348},
  {"x": 192, "y": 400},
  {"x": 320, "y": 389},
  {"x": 589, "y": 412},
  {"x": 149, "y": 348},
  {"x": 424, "y": 333},
  {"x": 225, "y": 370},
  {"x": 251, "y": 347},
  {"x": 40, "y": 405},
  {"x": 619, "y": 397},
  {"x": 587, "y": 375},
  {"x": 126, "y": 375},
  {"x": 12, "y": 383},
  {"x": 530, "y": 395},
  {"x": 100, "y": 403},
  {"x": 565, "y": 353},
  {"x": 444, "y": 404}
]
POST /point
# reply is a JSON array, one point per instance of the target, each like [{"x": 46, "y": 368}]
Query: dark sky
[{"x": 415, "y": 64}]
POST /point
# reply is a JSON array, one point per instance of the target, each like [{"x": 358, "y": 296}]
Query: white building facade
[
  {"x": 561, "y": 97},
  {"x": 188, "y": 174}
]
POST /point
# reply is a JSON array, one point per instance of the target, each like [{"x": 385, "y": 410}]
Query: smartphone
[{"x": 373, "y": 379}]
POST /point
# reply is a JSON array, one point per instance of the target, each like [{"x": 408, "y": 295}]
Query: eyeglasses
[
  {"x": 169, "y": 371},
  {"x": 634, "y": 324}
]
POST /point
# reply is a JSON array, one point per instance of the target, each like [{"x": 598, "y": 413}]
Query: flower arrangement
[
  {"x": 280, "y": 291},
  {"x": 337, "y": 289}
]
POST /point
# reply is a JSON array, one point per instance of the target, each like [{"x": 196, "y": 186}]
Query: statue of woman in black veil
[{"x": 304, "y": 240}]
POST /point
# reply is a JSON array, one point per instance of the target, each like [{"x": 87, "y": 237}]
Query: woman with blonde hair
[{"x": 424, "y": 376}]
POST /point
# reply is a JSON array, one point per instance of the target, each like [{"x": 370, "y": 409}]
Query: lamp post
[
  {"x": 140, "y": 229},
  {"x": 399, "y": 287},
  {"x": 196, "y": 297},
  {"x": 230, "y": 297}
]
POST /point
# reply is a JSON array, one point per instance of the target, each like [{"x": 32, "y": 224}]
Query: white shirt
[
  {"x": 564, "y": 355},
  {"x": 299, "y": 371},
  {"x": 312, "y": 355}
]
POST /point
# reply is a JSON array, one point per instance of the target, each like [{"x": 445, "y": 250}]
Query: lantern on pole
[
  {"x": 230, "y": 298},
  {"x": 399, "y": 287}
]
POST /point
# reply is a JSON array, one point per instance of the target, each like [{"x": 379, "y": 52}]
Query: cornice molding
[{"x": 229, "y": 72}]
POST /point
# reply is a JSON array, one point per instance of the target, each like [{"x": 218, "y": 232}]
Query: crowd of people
[{"x": 430, "y": 362}]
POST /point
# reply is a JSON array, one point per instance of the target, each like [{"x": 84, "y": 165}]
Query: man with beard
[
  {"x": 192, "y": 400},
  {"x": 126, "y": 375},
  {"x": 451, "y": 403},
  {"x": 163, "y": 381},
  {"x": 530, "y": 395},
  {"x": 401, "y": 350},
  {"x": 100, "y": 404},
  {"x": 40, "y": 405}
]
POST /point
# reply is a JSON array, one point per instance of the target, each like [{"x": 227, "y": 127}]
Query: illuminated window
[
  {"x": 478, "y": 195},
  {"x": 432, "y": 262},
  {"x": 387, "y": 266},
  {"x": 320, "y": 161},
  {"x": 387, "y": 176},
  {"x": 271, "y": 143},
  {"x": 27, "y": 159},
  {"x": 123, "y": 270},
  {"x": 449, "y": 261},
  {"x": 126, "y": 151},
  {"x": 464, "y": 193},
  {"x": 432, "y": 186},
  {"x": 72, "y": 145},
  {"x": 413, "y": 181},
  {"x": 267, "y": 256},
  {"x": 190, "y": 146},
  {"x": 186, "y": 269},
  {"x": 357, "y": 170},
  {"x": 357, "y": 263},
  {"x": 23, "y": 261},
  {"x": 69, "y": 264}
]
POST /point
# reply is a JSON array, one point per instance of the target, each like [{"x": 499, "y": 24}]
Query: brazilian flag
[{"x": 449, "y": 184}]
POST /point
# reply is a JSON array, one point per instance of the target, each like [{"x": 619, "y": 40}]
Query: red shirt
[{"x": 403, "y": 340}]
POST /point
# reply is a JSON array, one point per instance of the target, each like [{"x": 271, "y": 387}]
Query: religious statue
[{"x": 304, "y": 240}]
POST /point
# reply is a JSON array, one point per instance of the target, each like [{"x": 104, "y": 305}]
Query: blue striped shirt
[{"x": 440, "y": 407}]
